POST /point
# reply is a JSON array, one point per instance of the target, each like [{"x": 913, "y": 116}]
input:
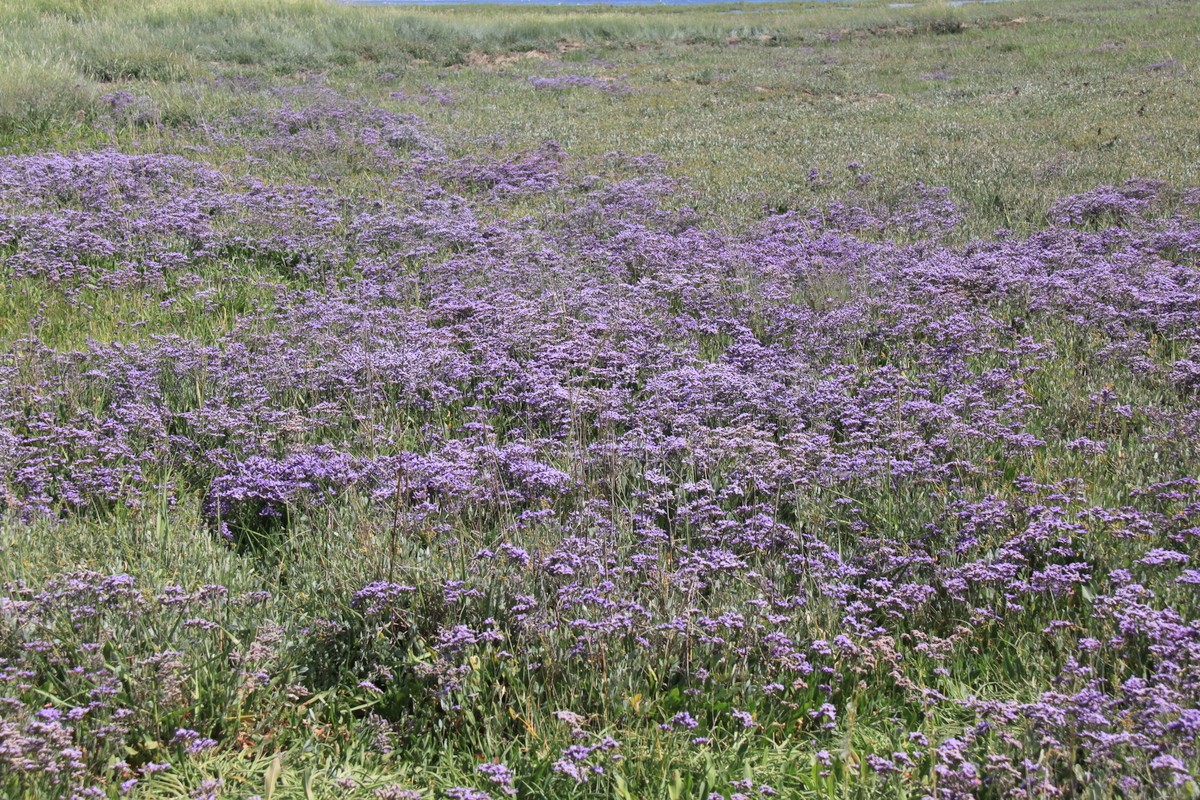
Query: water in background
[
  {"x": 614, "y": 2},
  {"x": 561, "y": 2}
]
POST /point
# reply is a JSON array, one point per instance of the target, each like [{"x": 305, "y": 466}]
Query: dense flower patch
[{"x": 770, "y": 481}]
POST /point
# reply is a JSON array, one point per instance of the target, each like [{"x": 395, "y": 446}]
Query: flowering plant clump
[{"x": 468, "y": 439}]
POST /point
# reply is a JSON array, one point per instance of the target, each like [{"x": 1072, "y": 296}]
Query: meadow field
[{"x": 723, "y": 402}]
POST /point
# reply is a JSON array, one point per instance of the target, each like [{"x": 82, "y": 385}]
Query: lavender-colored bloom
[
  {"x": 499, "y": 775},
  {"x": 743, "y": 717},
  {"x": 466, "y": 793},
  {"x": 397, "y": 792}
]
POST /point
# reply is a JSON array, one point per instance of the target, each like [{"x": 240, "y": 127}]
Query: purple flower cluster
[
  {"x": 558, "y": 82},
  {"x": 91, "y": 640},
  {"x": 754, "y": 474}
]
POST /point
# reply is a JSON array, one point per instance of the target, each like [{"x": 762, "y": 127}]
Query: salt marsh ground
[{"x": 736, "y": 401}]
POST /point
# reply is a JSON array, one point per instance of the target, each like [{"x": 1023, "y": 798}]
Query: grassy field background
[
  {"x": 757, "y": 109},
  {"x": 1025, "y": 103}
]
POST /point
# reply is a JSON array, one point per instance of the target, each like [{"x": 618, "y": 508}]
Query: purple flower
[
  {"x": 744, "y": 717},
  {"x": 499, "y": 775}
]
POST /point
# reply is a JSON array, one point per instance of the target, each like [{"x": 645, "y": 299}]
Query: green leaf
[{"x": 271, "y": 777}]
